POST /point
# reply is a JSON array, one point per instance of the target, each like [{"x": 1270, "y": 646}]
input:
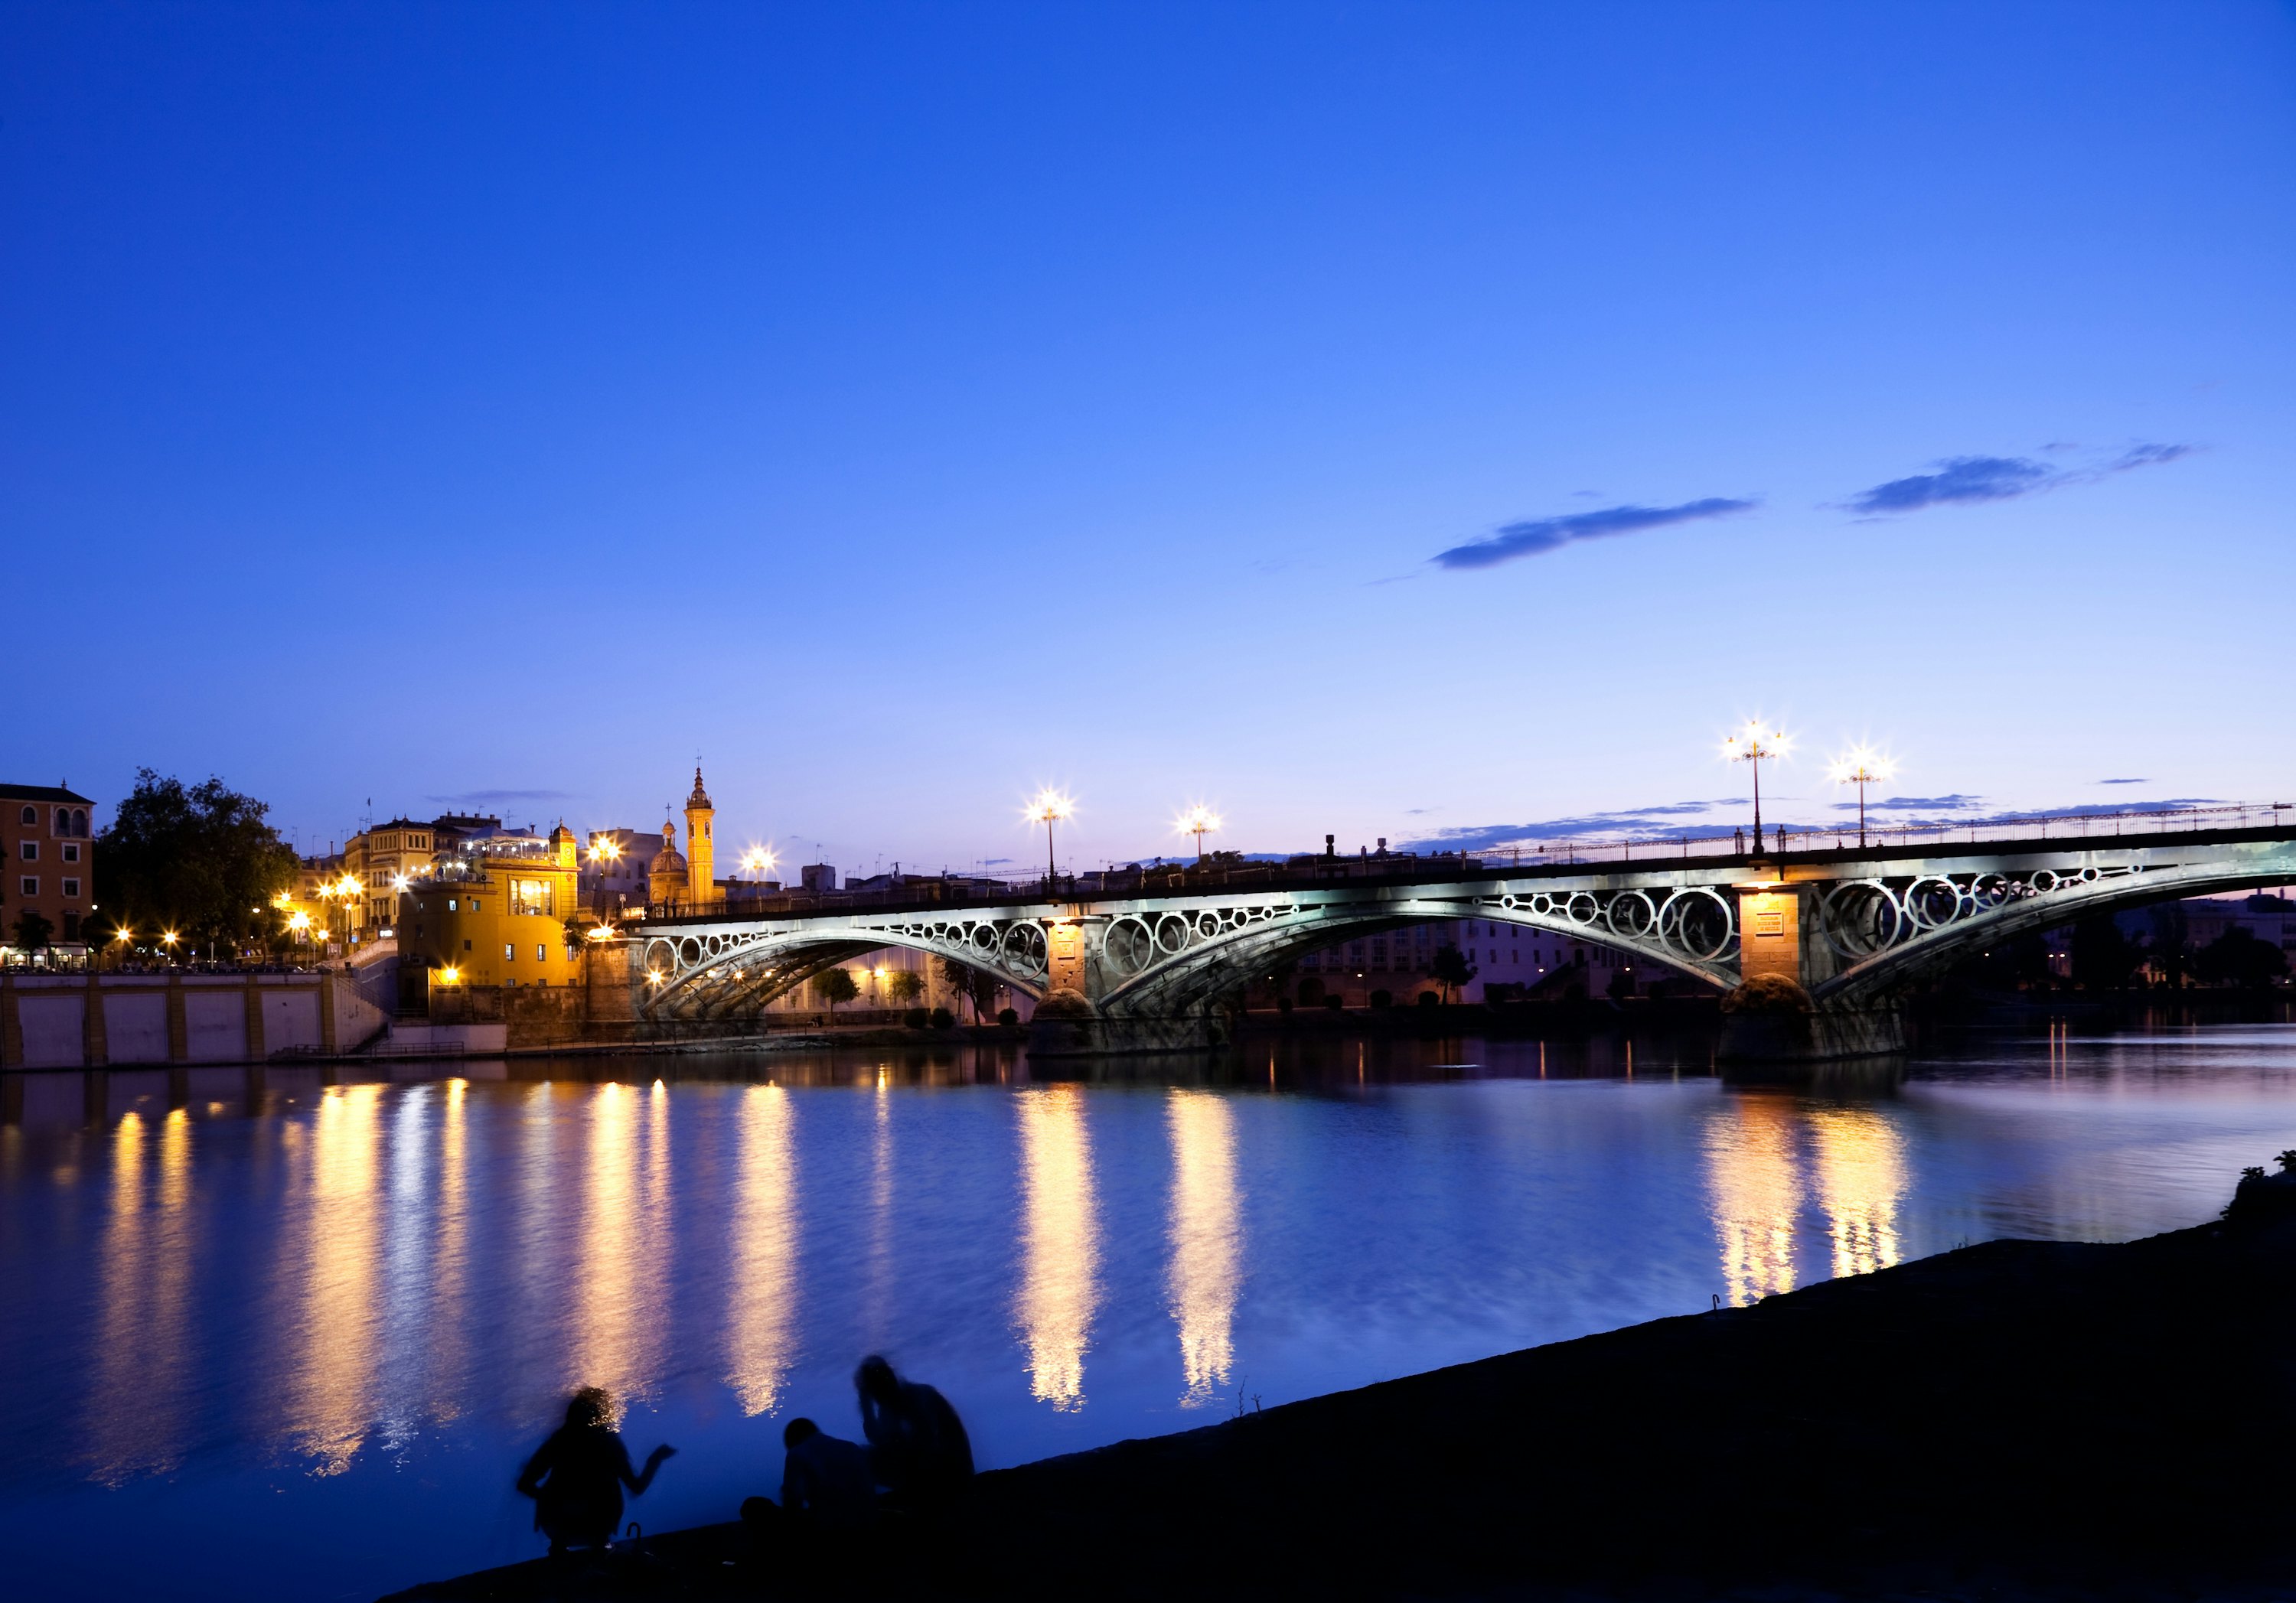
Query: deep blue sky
[{"x": 905, "y": 406}]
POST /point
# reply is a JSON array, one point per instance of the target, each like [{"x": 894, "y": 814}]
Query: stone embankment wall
[{"x": 92, "y": 1021}]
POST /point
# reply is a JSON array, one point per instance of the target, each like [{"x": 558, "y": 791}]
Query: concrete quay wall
[{"x": 96, "y": 1020}]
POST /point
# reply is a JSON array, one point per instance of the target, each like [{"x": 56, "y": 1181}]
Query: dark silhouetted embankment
[{"x": 2018, "y": 1419}]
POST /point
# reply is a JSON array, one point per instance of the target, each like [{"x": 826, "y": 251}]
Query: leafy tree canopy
[{"x": 200, "y": 859}]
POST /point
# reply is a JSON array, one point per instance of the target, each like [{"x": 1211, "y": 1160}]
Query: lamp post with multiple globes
[
  {"x": 1753, "y": 743},
  {"x": 1861, "y": 765},
  {"x": 1049, "y": 808},
  {"x": 1197, "y": 820}
]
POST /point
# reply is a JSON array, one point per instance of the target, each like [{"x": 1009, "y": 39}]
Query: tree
[
  {"x": 2102, "y": 957},
  {"x": 32, "y": 930},
  {"x": 976, "y": 988},
  {"x": 2171, "y": 950},
  {"x": 2237, "y": 958},
  {"x": 905, "y": 985},
  {"x": 836, "y": 986},
  {"x": 199, "y": 860},
  {"x": 1451, "y": 968}
]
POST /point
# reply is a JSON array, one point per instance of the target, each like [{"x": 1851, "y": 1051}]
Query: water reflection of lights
[
  {"x": 141, "y": 1346},
  {"x": 1060, "y": 1243},
  {"x": 332, "y": 1387},
  {"x": 1861, "y": 1174},
  {"x": 450, "y": 1255},
  {"x": 624, "y": 1232},
  {"x": 1207, "y": 1237},
  {"x": 1750, "y": 1175},
  {"x": 762, "y": 1318}
]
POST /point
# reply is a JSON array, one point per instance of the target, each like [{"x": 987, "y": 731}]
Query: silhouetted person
[
  {"x": 576, "y": 1477},
  {"x": 827, "y": 1479},
  {"x": 918, "y": 1450}
]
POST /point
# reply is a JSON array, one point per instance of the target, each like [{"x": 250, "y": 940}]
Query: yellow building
[
  {"x": 494, "y": 912},
  {"x": 700, "y": 850},
  {"x": 384, "y": 860}
]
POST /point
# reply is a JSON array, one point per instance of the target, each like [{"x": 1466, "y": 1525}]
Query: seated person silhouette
[
  {"x": 576, "y": 1477},
  {"x": 918, "y": 1450},
  {"x": 826, "y": 1480}
]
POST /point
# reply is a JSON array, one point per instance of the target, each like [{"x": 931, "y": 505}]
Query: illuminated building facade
[
  {"x": 493, "y": 911},
  {"x": 51, "y": 861}
]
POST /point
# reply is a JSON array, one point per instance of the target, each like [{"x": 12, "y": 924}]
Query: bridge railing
[{"x": 932, "y": 897}]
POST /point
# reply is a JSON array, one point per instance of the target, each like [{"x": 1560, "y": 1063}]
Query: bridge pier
[{"x": 1772, "y": 1016}]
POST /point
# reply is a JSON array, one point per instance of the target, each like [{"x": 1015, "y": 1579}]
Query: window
[
  {"x": 530, "y": 897},
  {"x": 29, "y": 886},
  {"x": 71, "y": 853},
  {"x": 510, "y": 951},
  {"x": 466, "y": 945},
  {"x": 542, "y": 954},
  {"x": 450, "y": 905},
  {"x": 28, "y": 850},
  {"x": 475, "y": 905},
  {"x": 72, "y": 926},
  {"x": 29, "y": 815},
  {"x": 72, "y": 887}
]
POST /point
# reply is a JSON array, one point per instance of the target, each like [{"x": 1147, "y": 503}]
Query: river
[{"x": 290, "y": 1334}]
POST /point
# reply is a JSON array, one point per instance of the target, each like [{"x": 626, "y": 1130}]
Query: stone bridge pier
[{"x": 1783, "y": 1007}]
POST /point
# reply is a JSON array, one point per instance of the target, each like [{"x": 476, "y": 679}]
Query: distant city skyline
[{"x": 1435, "y": 425}]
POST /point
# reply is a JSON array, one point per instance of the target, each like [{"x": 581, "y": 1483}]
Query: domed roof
[
  {"x": 701, "y": 798},
  {"x": 668, "y": 860}
]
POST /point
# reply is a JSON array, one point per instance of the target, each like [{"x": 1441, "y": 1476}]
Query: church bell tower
[{"x": 700, "y": 849}]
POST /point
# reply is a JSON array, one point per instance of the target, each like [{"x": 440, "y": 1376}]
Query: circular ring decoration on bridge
[
  {"x": 1509, "y": 902},
  {"x": 660, "y": 956},
  {"x": 2042, "y": 880},
  {"x": 689, "y": 950},
  {"x": 1208, "y": 924},
  {"x": 1129, "y": 946},
  {"x": 1989, "y": 890},
  {"x": 1024, "y": 948},
  {"x": 1859, "y": 918},
  {"x": 1582, "y": 909},
  {"x": 1932, "y": 902},
  {"x": 1697, "y": 923},
  {"x": 1171, "y": 933},
  {"x": 984, "y": 937},
  {"x": 1631, "y": 915}
]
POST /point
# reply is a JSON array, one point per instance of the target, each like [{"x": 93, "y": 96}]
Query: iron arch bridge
[{"x": 1854, "y": 927}]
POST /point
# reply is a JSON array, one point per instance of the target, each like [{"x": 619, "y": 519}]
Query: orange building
[{"x": 51, "y": 861}]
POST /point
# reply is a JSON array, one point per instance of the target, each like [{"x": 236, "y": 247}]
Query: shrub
[
  {"x": 1381, "y": 999},
  {"x": 1427, "y": 999},
  {"x": 1311, "y": 991},
  {"x": 1008, "y": 1017},
  {"x": 942, "y": 1018},
  {"x": 915, "y": 1017},
  {"x": 1283, "y": 1004},
  {"x": 1332, "y": 1001}
]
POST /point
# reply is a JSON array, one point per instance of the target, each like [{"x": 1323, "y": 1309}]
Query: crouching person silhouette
[
  {"x": 576, "y": 1477},
  {"x": 917, "y": 1446}
]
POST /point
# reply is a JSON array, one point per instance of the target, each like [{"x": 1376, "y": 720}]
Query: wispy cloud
[
  {"x": 1637, "y": 822},
  {"x": 1540, "y": 535},
  {"x": 1967, "y": 480},
  {"x": 2124, "y": 782},
  {"x": 1956, "y": 802}
]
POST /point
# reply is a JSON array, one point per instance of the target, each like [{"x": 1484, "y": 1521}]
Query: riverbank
[{"x": 2016, "y": 1419}]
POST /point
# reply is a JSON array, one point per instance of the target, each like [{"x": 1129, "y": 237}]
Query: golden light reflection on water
[
  {"x": 877, "y": 1301},
  {"x": 450, "y": 1252},
  {"x": 761, "y": 1320},
  {"x": 335, "y": 1340},
  {"x": 1750, "y": 1176},
  {"x": 141, "y": 1345},
  {"x": 1861, "y": 1174},
  {"x": 1060, "y": 1243},
  {"x": 624, "y": 1239},
  {"x": 1206, "y": 1237}
]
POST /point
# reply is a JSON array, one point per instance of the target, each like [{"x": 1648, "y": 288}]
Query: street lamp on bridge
[
  {"x": 1861, "y": 766},
  {"x": 1752, "y": 744},
  {"x": 1049, "y": 808},
  {"x": 1197, "y": 820}
]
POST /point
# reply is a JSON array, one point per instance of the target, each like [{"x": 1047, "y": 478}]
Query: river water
[{"x": 290, "y": 1335}]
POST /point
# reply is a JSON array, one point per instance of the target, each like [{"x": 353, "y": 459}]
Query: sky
[{"x": 1440, "y": 424}]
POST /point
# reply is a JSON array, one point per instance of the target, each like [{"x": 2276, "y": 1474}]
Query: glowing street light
[
  {"x": 605, "y": 851},
  {"x": 450, "y": 975},
  {"x": 1861, "y": 765},
  {"x": 1752, "y": 744},
  {"x": 1197, "y": 820},
  {"x": 1049, "y": 808},
  {"x": 761, "y": 860}
]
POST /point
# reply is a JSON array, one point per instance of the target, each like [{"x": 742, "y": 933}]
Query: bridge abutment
[{"x": 1771, "y": 1016}]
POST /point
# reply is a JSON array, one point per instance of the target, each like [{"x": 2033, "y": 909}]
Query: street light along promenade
[{"x": 1756, "y": 742}]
